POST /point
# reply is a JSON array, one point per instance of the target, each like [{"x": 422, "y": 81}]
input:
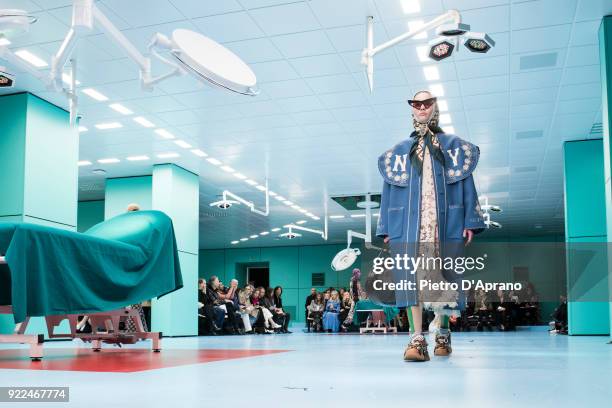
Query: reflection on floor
[{"x": 523, "y": 368}]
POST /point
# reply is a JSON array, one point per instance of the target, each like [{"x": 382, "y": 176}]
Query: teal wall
[
  {"x": 38, "y": 170},
  {"x": 585, "y": 221},
  {"x": 605, "y": 58},
  {"x": 89, "y": 214},
  {"x": 290, "y": 267}
]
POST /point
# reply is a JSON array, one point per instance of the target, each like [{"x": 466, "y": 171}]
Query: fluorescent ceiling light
[
  {"x": 449, "y": 129},
  {"x": 167, "y": 155},
  {"x": 357, "y": 215},
  {"x": 199, "y": 153},
  {"x": 138, "y": 158},
  {"x": 431, "y": 73},
  {"x": 108, "y": 161},
  {"x": 108, "y": 125},
  {"x": 275, "y": 229},
  {"x": 272, "y": 193},
  {"x": 164, "y": 133},
  {"x": 227, "y": 169},
  {"x": 264, "y": 233},
  {"x": 334, "y": 217},
  {"x": 240, "y": 176},
  {"x": 300, "y": 222},
  {"x": 254, "y": 236},
  {"x": 442, "y": 105},
  {"x": 423, "y": 53},
  {"x": 235, "y": 242},
  {"x": 214, "y": 161},
  {"x": 67, "y": 79},
  {"x": 437, "y": 90},
  {"x": 82, "y": 129},
  {"x": 411, "y": 6},
  {"x": 316, "y": 218},
  {"x": 280, "y": 198},
  {"x": 287, "y": 202},
  {"x": 445, "y": 119},
  {"x": 93, "y": 94},
  {"x": 303, "y": 211},
  {"x": 183, "y": 144},
  {"x": 244, "y": 239},
  {"x": 309, "y": 214},
  {"x": 376, "y": 215},
  {"x": 120, "y": 108},
  {"x": 4, "y": 41},
  {"x": 141, "y": 120},
  {"x": 31, "y": 58},
  {"x": 413, "y": 25},
  {"x": 251, "y": 182},
  {"x": 261, "y": 188},
  {"x": 84, "y": 163},
  {"x": 296, "y": 207}
]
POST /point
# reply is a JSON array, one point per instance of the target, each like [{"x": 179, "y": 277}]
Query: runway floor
[{"x": 526, "y": 368}]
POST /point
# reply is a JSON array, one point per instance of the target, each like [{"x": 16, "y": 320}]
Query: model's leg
[{"x": 417, "y": 349}]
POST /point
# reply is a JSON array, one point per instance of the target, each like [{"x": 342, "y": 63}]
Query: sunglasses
[{"x": 422, "y": 104}]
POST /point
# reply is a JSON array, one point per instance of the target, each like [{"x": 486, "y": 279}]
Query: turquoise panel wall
[
  {"x": 176, "y": 192},
  {"x": 89, "y": 214},
  {"x": 121, "y": 192},
  {"x": 38, "y": 169},
  {"x": 605, "y": 58},
  {"x": 585, "y": 221}
]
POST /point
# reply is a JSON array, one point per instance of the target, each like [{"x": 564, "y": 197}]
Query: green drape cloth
[
  {"x": 358, "y": 318},
  {"x": 125, "y": 260}
]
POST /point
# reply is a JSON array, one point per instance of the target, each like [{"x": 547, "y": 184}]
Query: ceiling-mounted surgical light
[
  {"x": 478, "y": 42},
  {"x": 448, "y": 26},
  {"x": 290, "y": 235},
  {"x": 15, "y": 22},
  {"x": 223, "y": 204},
  {"x": 345, "y": 258}
]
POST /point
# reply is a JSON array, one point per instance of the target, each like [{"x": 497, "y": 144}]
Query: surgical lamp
[
  {"x": 448, "y": 26},
  {"x": 228, "y": 199},
  {"x": 323, "y": 233},
  {"x": 188, "y": 52},
  {"x": 490, "y": 223},
  {"x": 346, "y": 257},
  {"x": 488, "y": 207}
]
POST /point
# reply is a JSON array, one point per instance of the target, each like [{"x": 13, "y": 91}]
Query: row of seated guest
[
  {"x": 329, "y": 311},
  {"x": 240, "y": 311}
]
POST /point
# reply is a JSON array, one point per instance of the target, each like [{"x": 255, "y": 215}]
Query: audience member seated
[
  {"x": 315, "y": 312},
  {"x": 483, "y": 310},
  {"x": 247, "y": 311},
  {"x": 559, "y": 323},
  {"x": 309, "y": 299},
  {"x": 331, "y": 323},
  {"x": 269, "y": 323},
  {"x": 278, "y": 302},
  {"x": 504, "y": 312},
  {"x": 223, "y": 301},
  {"x": 206, "y": 312},
  {"x": 347, "y": 309}
]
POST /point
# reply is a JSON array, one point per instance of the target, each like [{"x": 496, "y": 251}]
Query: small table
[{"x": 380, "y": 326}]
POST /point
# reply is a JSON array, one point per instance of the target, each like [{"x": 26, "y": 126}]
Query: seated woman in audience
[
  {"x": 268, "y": 318},
  {"x": 278, "y": 301},
  {"x": 278, "y": 315},
  {"x": 331, "y": 323},
  {"x": 248, "y": 313},
  {"x": 347, "y": 309},
  {"x": 315, "y": 312}
]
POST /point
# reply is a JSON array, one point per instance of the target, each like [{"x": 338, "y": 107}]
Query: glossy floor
[{"x": 518, "y": 369}]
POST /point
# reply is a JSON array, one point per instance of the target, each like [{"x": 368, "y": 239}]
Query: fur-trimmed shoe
[
  {"x": 417, "y": 349},
  {"x": 443, "y": 343}
]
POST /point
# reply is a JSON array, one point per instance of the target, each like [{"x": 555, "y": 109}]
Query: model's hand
[
  {"x": 469, "y": 234},
  {"x": 386, "y": 240}
]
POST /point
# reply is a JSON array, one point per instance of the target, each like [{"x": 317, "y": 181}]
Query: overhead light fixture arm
[
  {"x": 250, "y": 204},
  {"x": 367, "y": 55}
]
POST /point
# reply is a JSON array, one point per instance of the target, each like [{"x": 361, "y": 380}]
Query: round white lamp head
[{"x": 344, "y": 259}]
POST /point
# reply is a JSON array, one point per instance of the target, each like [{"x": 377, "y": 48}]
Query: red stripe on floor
[{"x": 119, "y": 360}]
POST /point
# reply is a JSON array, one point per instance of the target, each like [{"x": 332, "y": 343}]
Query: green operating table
[{"x": 61, "y": 274}]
